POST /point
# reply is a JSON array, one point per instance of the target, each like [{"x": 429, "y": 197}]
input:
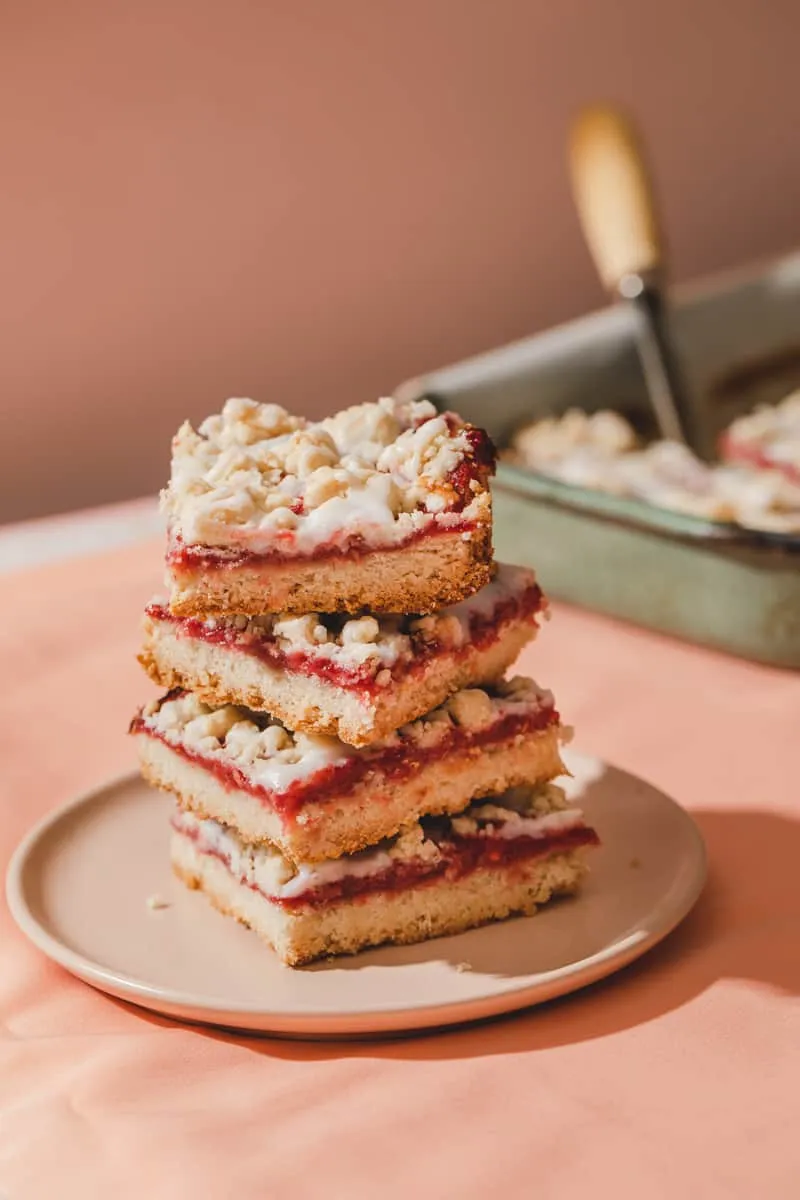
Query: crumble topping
[
  {"x": 471, "y": 708},
  {"x": 772, "y": 430},
  {"x": 516, "y": 812},
  {"x": 255, "y": 476},
  {"x": 600, "y": 452},
  {"x": 274, "y": 758},
  {"x": 553, "y": 438},
  {"x": 529, "y": 812},
  {"x": 377, "y": 644}
]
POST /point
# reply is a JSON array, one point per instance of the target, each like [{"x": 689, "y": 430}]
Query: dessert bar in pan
[{"x": 768, "y": 437}]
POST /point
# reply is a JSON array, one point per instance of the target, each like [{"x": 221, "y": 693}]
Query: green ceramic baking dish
[{"x": 713, "y": 584}]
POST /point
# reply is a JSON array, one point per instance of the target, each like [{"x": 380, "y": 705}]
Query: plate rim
[{"x": 332, "y": 1023}]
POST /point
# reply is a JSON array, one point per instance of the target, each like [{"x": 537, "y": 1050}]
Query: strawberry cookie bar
[
  {"x": 506, "y": 855},
  {"x": 315, "y": 798},
  {"x": 384, "y": 506},
  {"x": 357, "y": 678}
]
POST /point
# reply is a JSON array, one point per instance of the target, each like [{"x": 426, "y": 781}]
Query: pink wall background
[{"x": 309, "y": 201}]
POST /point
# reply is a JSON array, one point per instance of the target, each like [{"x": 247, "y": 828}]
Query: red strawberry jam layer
[
  {"x": 460, "y": 856},
  {"x": 483, "y": 630},
  {"x": 479, "y": 465},
  {"x": 196, "y": 556},
  {"x": 753, "y": 455},
  {"x": 395, "y": 762}
]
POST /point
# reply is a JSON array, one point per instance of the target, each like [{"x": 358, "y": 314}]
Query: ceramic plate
[{"x": 80, "y": 883}]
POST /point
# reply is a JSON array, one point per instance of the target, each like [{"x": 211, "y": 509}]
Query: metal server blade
[{"x": 666, "y": 386}]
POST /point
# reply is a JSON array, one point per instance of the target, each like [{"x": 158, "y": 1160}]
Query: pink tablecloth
[{"x": 678, "y": 1077}]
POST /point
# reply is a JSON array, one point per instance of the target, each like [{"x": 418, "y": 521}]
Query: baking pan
[{"x": 714, "y": 584}]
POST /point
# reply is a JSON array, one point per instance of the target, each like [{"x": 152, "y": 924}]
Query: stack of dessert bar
[{"x": 349, "y": 764}]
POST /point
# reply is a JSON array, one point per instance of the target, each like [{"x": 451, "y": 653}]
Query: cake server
[{"x": 614, "y": 197}]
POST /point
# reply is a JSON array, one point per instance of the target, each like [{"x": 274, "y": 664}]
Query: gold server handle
[{"x": 614, "y": 196}]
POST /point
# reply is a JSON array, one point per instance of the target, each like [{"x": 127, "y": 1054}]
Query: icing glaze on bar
[{"x": 255, "y": 482}]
